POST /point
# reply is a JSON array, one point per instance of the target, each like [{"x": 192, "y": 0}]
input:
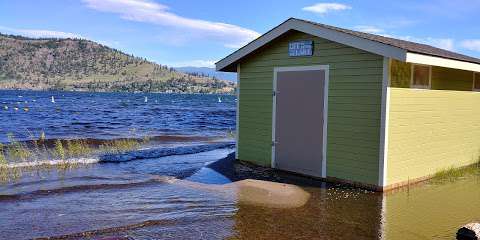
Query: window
[
  {"x": 476, "y": 81},
  {"x": 400, "y": 74},
  {"x": 421, "y": 76}
]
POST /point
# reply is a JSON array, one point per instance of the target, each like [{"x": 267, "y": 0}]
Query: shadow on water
[{"x": 184, "y": 197}]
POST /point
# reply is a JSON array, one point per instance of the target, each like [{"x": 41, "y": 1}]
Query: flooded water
[
  {"x": 138, "y": 200},
  {"x": 176, "y": 188}
]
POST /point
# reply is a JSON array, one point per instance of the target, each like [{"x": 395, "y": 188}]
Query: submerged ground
[
  {"x": 173, "y": 187},
  {"x": 141, "y": 200}
]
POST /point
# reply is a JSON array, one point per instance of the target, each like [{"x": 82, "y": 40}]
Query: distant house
[{"x": 355, "y": 107}]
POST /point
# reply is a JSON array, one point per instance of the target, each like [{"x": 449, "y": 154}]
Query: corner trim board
[
  {"x": 237, "y": 129},
  {"x": 385, "y": 110}
]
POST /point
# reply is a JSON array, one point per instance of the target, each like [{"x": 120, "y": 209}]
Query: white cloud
[
  {"x": 194, "y": 63},
  {"x": 443, "y": 43},
  {"x": 155, "y": 13},
  {"x": 369, "y": 29},
  {"x": 40, "y": 33},
  {"x": 112, "y": 44},
  {"x": 323, "y": 8},
  {"x": 471, "y": 44}
]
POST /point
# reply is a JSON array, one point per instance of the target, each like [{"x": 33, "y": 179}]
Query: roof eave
[
  {"x": 419, "y": 58},
  {"x": 229, "y": 63},
  {"x": 315, "y": 30}
]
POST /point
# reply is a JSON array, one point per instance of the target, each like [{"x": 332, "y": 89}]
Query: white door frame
[{"x": 325, "y": 108}]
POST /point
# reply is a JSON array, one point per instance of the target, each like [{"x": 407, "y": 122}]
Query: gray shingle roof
[{"x": 406, "y": 45}]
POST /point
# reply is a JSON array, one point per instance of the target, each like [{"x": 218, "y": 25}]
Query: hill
[
  {"x": 206, "y": 71},
  {"x": 84, "y": 65}
]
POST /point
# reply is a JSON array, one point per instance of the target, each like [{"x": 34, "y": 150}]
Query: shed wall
[
  {"x": 430, "y": 131},
  {"x": 354, "y": 105}
]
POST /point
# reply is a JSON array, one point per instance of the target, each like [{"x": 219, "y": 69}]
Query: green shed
[{"x": 354, "y": 107}]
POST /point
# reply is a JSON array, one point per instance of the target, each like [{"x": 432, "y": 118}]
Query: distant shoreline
[{"x": 84, "y": 91}]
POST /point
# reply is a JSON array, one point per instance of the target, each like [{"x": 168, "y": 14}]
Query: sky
[{"x": 198, "y": 33}]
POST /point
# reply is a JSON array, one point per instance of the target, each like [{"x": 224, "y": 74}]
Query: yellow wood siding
[
  {"x": 431, "y": 130},
  {"x": 354, "y": 105}
]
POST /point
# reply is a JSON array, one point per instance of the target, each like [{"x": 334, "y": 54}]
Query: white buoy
[
  {"x": 219, "y": 100},
  {"x": 53, "y": 99},
  {"x": 15, "y": 108},
  {"x": 5, "y": 107},
  {"x": 146, "y": 99}
]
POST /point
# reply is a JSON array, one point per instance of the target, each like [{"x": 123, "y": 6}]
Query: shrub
[{"x": 59, "y": 151}]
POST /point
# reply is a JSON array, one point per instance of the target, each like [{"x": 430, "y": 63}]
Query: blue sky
[{"x": 198, "y": 33}]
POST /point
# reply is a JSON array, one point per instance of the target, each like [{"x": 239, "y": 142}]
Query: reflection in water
[
  {"x": 188, "y": 197},
  {"x": 330, "y": 214},
  {"x": 435, "y": 210}
]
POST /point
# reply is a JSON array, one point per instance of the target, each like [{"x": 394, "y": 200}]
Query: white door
[{"x": 300, "y": 119}]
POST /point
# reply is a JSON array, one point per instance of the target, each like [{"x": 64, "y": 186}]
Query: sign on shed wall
[{"x": 300, "y": 48}]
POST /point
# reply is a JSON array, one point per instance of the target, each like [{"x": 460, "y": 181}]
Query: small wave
[
  {"x": 50, "y": 142},
  {"x": 113, "y": 230},
  {"x": 46, "y": 181},
  {"x": 161, "y": 152},
  {"x": 53, "y": 162},
  {"x": 125, "y": 156},
  {"x": 87, "y": 187}
]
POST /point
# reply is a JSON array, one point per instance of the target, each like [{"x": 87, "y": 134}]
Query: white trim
[
  {"x": 475, "y": 79},
  {"x": 412, "y": 75},
  {"x": 430, "y": 77},
  {"x": 237, "y": 129},
  {"x": 274, "y": 114},
  {"x": 315, "y": 30},
  {"x": 325, "y": 68},
  {"x": 441, "y": 62},
  {"x": 385, "y": 109},
  {"x": 325, "y": 121}
]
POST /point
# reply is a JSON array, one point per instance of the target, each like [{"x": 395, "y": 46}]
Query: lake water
[
  {"x": 135, "y": 195},
  {"x": 113, "y": 115}
]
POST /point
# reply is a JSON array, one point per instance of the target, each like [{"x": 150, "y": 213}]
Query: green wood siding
[{"x": 354, "y": 105}]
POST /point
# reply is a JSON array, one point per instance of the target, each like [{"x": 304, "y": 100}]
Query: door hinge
[
  {"x": 274, "y": 93},
  {"x": 274, "y": 143}
]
